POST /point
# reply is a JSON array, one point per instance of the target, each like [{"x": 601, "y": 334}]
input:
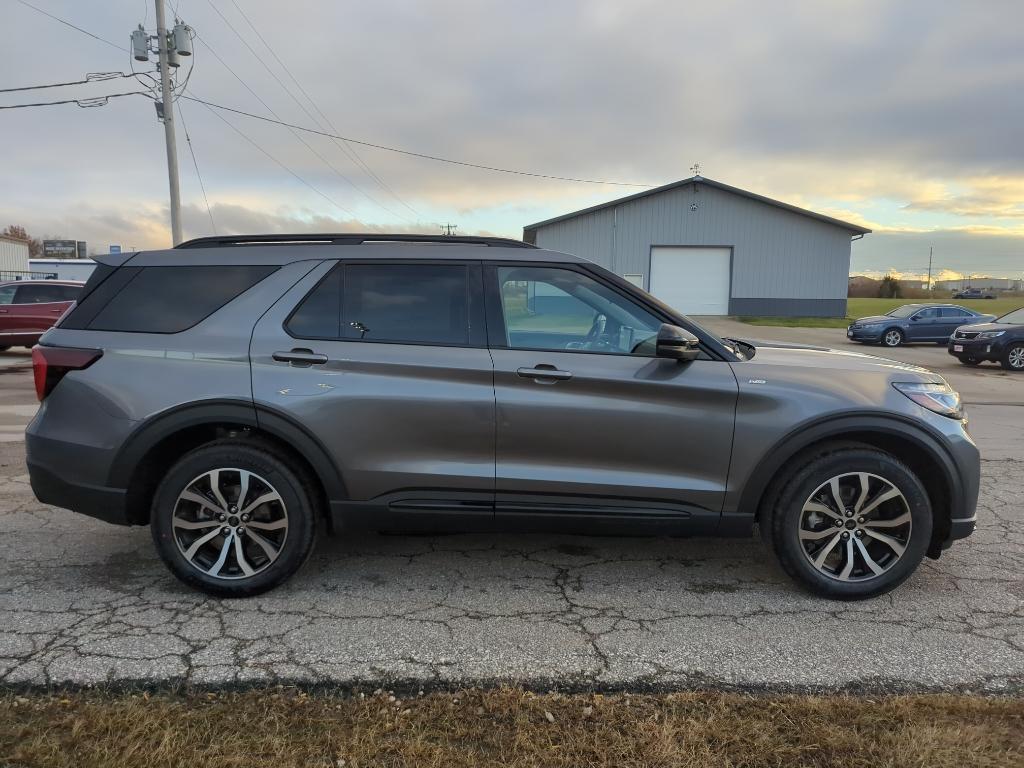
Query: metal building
[
  {"x": 710, "y": 249},
  {"x": 13, "y": 256}
]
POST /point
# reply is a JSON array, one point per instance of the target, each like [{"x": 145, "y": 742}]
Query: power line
[
  {"x": 96, "y": 101},
  {"x": 343, "y": 146},
  {"x": 324, "y": 160},
  {"x": 195, "y": 164},
  {"x": 73, "y": 26},
  {"x": 420, "y": 155},
  {"x": 91, "y": 77},
  {"x": 265, "y": 152},
  {"x": 270, "y": 109}
]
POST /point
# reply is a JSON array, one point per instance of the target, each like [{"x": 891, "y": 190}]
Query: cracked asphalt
[{"x": 87, "y": 603}]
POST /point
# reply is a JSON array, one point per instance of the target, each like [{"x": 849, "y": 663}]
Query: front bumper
[
  {"x": 976, "y": 349},
  {"x": 864, "y": 334}
]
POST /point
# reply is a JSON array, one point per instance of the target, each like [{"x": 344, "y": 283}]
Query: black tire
[
  {"x": 296, "y": 507},
  {"x": 4, "y": 349},
  {"x": 782, "y": 519},
  {"x": 972, "y": 361},
  {"x": 893, "y": 337},
  {"x": 1013, "y": 357}
]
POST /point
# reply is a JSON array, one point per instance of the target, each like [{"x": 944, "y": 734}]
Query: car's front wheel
[
  {"x": 849, "y": 522},
  {"x": 1013, "y": 357},
  {"x": 892, "y": 337},
  {"x": 233, "y": 519}
]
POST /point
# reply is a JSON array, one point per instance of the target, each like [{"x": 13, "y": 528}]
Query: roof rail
[{"x": 349, "y": 239}]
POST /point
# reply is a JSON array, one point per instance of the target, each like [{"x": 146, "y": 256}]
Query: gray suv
[{"x": 237, "y": 394}]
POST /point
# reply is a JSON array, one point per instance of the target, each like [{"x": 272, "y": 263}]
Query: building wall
[
  {"x": 13, "y": 255},
  {"x": 783, "y": 263}
]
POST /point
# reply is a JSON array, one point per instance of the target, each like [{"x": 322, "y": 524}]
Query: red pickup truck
[{"x": 29, "y": 308}]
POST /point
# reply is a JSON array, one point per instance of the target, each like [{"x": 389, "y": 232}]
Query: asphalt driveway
[{"x": 87, "y": 603}]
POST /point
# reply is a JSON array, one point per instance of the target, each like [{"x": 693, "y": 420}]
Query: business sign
[
  {"x": 115, "y": 249},
  {"x": 60, "y": 249},
  {"x": 83, "y": 252}
]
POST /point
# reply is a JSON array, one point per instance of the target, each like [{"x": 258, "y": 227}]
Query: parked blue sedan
[{"x": 914, "y": 323}]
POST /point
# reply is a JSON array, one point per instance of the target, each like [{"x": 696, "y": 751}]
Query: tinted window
[
  {"x": 39, "y": 293},
  {"x": 7, "y": 294},
  {"x": 927, "y": 314},
  {"x": 171, "y": 299},
  {"x": 424, "y": 304},
  {"x": 555, "y": 309},
  {"x": 952, "y": 312},
  {"x": 318, "y": 316}
]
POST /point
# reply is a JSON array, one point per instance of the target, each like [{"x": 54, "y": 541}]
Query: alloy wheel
[
  {"x": 893, "y": 338},
  {"x": 855, "y": 526},
  {"x": 1015, "y": 357},
  {"x": 230, "y": 523}
]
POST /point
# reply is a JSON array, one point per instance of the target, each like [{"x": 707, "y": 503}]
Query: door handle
[
  {"x": 300, "y": 358},
  {"x": 3, "y": 311},
  {"x": 544, "y": 373}
]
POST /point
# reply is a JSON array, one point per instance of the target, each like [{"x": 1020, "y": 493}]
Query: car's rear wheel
[
  {"x": 233, "y": 519},
  {"x": 849, "y": 523},
  {"x": 892, "y": 337},
  {"x": 1013, "y": 357}
]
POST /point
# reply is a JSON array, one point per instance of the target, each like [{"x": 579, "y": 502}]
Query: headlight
[
  {"x": 871, "y": 325},
  {"x": 990, "y": 334},
  {"x": 938, "y": 398}
]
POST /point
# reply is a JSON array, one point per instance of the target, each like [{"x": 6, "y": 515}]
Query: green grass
[{"x": 865, "y": 307}]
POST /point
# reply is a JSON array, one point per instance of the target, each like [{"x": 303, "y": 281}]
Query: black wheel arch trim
[
  {"x": 243, "y": 412},
  {"x": 841, "y": 426}
]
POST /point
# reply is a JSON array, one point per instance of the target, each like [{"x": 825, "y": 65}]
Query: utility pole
[
  {"x": 171, "y": 45},
  {"x": 172, "y": 148},
  {"x": 449, "y": 229},
  {"x": 929, "y": 267}
]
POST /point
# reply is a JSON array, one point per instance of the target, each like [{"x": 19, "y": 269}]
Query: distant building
[
  {"x": 707, "y": 248},
  {"x": 64, "y": 269},
  {"x": 13, "y": 257},
  {"x": 981, "y": 283}
]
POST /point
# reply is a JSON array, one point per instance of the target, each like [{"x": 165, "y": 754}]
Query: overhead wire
[
  {"x": 85, "y": 103},
  {"x": 274, "y": 159},
  {"x": 322, "y": 159},
  {"x": 91, "y": 77},
  {"x": 350, "y": 151},
  {"x": 67, "y": 23},
  {"x": 421, "y": 155},
  {"x": 195, "y": 164}
]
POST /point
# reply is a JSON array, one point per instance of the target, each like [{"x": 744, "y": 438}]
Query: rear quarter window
[{"x": 173, "y": 299}]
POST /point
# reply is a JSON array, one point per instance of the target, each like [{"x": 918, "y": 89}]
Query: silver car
[{"x": 238, "y": 394}]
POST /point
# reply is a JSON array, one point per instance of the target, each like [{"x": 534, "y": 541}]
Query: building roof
[
  {"x": 10, "y": 239},
  {"x": 852, "y": 228}
]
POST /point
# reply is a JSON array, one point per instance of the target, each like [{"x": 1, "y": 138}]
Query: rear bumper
[{"x": 52, "y": 469}]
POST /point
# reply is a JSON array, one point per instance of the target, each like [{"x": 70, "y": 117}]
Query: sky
[{"x": 906, "y": 117}]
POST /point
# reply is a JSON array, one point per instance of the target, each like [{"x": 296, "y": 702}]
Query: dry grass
[{"x": 510, "y": 727}]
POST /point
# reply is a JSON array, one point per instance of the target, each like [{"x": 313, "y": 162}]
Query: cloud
[{"x": 902, "y": 116}]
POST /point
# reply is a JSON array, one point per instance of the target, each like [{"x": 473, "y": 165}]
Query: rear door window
[
  {"x": 406, "y": 303},
  {"x": 41, "y": 293},
  {"x": 7, "y": 294}
]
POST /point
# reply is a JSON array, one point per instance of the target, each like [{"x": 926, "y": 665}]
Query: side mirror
[{"x": 677, "y": 343}]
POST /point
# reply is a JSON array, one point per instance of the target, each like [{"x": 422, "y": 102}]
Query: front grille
[{"x": 966, "y": 334}]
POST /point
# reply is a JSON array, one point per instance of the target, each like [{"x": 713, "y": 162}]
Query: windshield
[
  {"x": 905, "y": 311},
  {"x": 1012, "y": 318}
]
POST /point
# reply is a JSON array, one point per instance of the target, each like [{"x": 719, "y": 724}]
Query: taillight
[{"x": 49, "y": 364}]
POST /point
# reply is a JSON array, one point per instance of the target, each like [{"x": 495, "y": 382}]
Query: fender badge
[{"x": 757, "y": 381}]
